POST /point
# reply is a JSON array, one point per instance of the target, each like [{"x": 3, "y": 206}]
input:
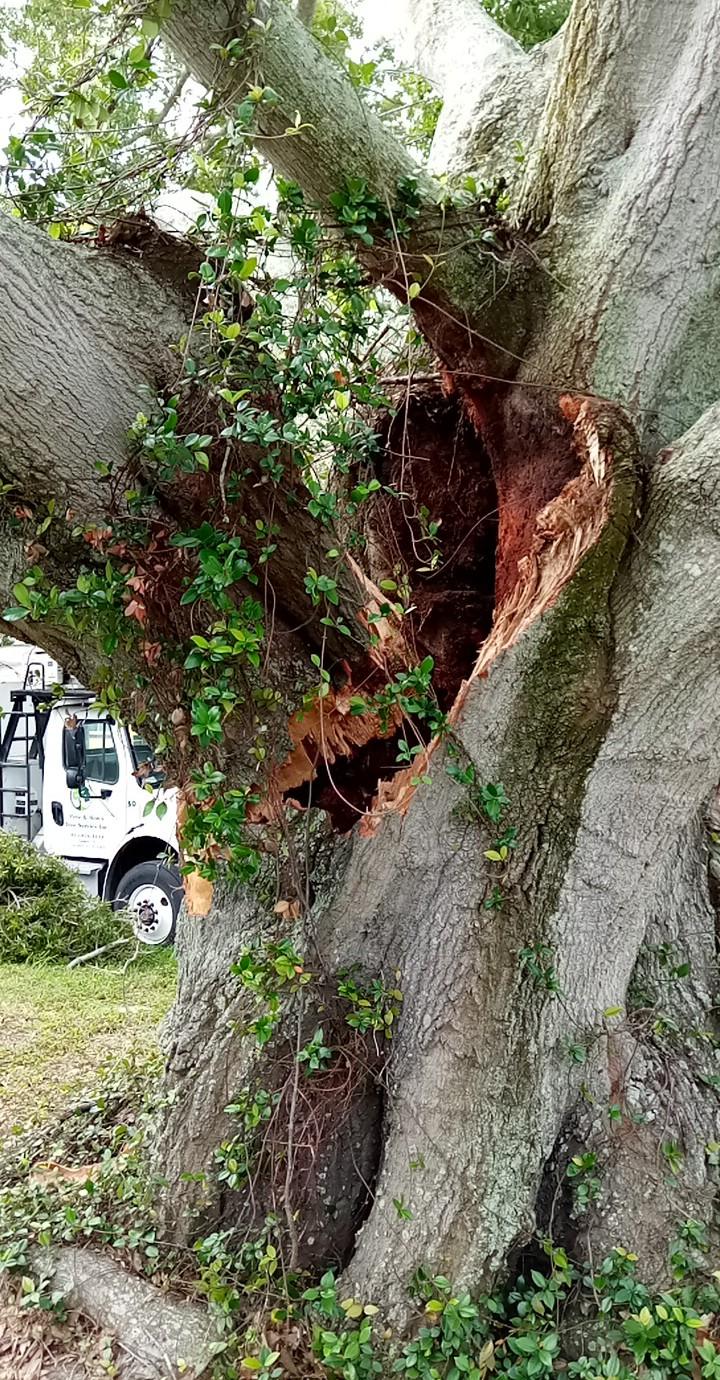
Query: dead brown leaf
[
  {"x": 198, "y": 894},
  {"x": 50, "y": 1174}
]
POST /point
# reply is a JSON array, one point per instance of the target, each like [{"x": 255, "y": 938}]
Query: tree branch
[
  {"x": 306, "y": 11},
  {"x": 622, "y": 180},
  {"x": 319, "y": 133},
  {"x": 80, "y": 332},
  {"x": 622, "y": 70},
  {"x": 337, "y": 135},
  {"x": 492, "y": 89},
  {"x": 173, "y": 97},
  {"x": 452, "y": 44}
]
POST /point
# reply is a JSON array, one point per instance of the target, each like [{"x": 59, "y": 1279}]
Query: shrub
[{"x": 45, "y": 912}]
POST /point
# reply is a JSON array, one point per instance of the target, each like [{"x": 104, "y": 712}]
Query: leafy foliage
[
  {"x": 103, "y": 94},
  {"x": 277, "y": 382},
  {"x": 46, "y": 915},
  {"x": 308, "y": 1326},
  {"x": 529, "y": 21},
  {"x": 112, "y": 1203}
]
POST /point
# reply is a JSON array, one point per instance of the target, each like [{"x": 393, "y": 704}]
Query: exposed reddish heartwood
[{"x": 459, "y": 462}]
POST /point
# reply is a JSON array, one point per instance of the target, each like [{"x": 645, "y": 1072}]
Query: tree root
[{"x": 161, "y": 1337}]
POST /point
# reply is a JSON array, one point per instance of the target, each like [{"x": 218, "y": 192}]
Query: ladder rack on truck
[{"x": 22, "y": 761}]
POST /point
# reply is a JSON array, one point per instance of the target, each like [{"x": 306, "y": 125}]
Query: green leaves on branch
[{"x": 361, "y": 215}]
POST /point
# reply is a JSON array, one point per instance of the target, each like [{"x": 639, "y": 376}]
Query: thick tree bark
[
  {"x": 589, "y": 888},
  {"x": 492, "y": 90},
  {"x": 595, "y": 699},
  {"x": 81, "y": 333},
  {"x": 617, "y": 180},
  {"x": 602, "y": 722}
]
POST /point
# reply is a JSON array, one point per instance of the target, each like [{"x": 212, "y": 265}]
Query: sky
[
  {"x": 376, "y": 17},
  {"x": 178, "y": 208}
]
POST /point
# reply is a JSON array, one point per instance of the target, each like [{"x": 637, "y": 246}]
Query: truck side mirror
[{"x": 74, "y": 755}]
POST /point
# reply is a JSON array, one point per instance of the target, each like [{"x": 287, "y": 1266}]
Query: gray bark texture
[
  {"x": 159, "y": 1337},
  {"x": 588, "y": 356},
  {"x": 81, "y": 332}
]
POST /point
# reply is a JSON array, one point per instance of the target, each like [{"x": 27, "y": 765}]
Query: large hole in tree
[
  {"x": 441, "y": 533},
  {"x": 347, "y": 789},
  {"x": 439, "y": 538},
  {"x": 436, "y": 542}
]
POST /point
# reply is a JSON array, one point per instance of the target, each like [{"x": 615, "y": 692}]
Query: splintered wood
[
  {"x": 565, "y": 530},
  {"x": 323, "y": 733},
  {"x": 328, "y": 729},
  {"x": 320, "y": 734}
]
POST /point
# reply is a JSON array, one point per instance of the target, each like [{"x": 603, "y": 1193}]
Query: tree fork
[
  {"x": 595, "y": 698},
  {"x": 474, "y": 303}
]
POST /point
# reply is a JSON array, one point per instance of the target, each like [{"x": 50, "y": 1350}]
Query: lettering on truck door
[{"x": 91, "y": 822}]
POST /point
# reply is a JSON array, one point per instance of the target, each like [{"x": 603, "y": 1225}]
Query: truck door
[{"x": 90, "y": 822}]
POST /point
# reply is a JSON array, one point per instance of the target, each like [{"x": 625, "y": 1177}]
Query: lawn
[{"x": 58, "y": 1027}]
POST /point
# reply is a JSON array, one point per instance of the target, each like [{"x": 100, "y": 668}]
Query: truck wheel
[{"x": 152, "y": 893}]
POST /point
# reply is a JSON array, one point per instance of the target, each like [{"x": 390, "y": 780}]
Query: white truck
[{"x": 77, "y": 784}]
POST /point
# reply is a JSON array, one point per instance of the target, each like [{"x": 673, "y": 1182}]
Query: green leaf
[
  {"x": 22, "y": 594},
  {"x": 526, "y": 1345},
  {"x": 116, "y": 79}
]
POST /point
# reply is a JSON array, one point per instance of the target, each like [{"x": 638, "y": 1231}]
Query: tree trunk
[
  {"x": 591, "y": 707},
  {"x": 589, "y": 702},
  {"x": 538, "y": 1021}
]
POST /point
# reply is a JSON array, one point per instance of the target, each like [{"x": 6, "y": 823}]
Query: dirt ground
[{"x": 34, "y": 1347}]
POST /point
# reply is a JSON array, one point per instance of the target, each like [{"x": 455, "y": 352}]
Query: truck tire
[{"x": 153, "y": 893}]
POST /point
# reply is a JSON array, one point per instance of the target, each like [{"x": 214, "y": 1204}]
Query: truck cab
[{"x": 83, "y": 787}]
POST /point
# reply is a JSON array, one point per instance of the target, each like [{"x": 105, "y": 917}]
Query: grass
[{"x": 58, "y": 1027}]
